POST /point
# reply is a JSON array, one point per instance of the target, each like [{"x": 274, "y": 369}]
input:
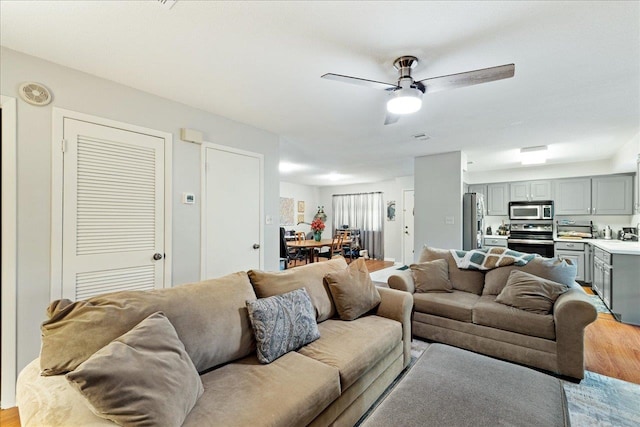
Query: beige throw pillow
[
  {"x": 431, "y": 276},
  {"x": 143, "y": 378},
  {"x": 353, "y": 292},
  {"x": 530, "y": 293}
]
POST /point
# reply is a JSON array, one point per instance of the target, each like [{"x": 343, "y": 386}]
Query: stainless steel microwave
[{"x": 531, "y": 210}]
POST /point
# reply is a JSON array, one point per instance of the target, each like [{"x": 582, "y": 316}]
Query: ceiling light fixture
[
  {"x": 533, "y": 155},
  {"x": 406, "y": 99}
]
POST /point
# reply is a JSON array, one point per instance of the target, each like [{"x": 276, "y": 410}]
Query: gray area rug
[
  {"x": 597, "y": 401},
  {"x": 595, "y": 300}
]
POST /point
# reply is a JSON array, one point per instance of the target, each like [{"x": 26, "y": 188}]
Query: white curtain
[{"x": 365, "y": 212}]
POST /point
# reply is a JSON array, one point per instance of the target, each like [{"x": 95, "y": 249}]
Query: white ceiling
[{"x": 576, "y": 86}]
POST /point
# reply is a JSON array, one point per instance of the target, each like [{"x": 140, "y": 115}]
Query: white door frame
[
  {"x": 203, "y": 210},
  {"x": 404, "y": 215},
  {"x": 9, "y": 252},
  {"x": 57, "y": 168}
]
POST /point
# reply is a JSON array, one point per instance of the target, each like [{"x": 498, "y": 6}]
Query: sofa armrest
[
  {"x": 397, "y": 305},
  {"x": 402, "y": 281},
  {"x": 572, "y": 312}
]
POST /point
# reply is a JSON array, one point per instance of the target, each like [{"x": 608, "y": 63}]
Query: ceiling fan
[{"x": 405, "y": 97}]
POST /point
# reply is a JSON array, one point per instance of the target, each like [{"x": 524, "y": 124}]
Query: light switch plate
[{"x": 268, "y": 220}]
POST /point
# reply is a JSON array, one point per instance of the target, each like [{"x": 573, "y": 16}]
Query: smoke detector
[{"x": 34, "y": 93}]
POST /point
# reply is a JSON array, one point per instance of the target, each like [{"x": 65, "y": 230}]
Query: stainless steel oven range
[{"x": 535, "y": 237}]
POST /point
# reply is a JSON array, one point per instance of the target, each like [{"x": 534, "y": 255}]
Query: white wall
[
  {"x": 299, "y": 192},
  {"x": 438, "y": 196},
  {"x": 85, "y": 93}
]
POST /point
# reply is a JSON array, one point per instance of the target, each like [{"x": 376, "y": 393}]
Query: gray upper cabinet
[
  {"x": 498, "y": 199},
  {"x": 482, "y": 189},
  {"x": 572, "y": 196},
  {"x": 612, "y": 195},
  {"x": 531, "y": 190}
]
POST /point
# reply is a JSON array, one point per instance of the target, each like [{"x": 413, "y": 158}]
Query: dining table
[{"x": 311, "y": 244}]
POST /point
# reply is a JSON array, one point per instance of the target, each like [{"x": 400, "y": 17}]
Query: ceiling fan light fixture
[{"x": 405, "y": 101}]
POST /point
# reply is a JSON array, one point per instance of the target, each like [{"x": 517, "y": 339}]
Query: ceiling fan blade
[
  {"x": 358, "y": 81},
  {"x": 469, "y": 78},
  {"x": 391, "y": 118}
]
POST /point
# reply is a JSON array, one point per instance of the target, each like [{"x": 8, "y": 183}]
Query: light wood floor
[{"x": 611, "y": 348}]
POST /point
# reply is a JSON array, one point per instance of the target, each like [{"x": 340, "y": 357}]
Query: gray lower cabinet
[
  {"x": 577, "y": 253},
  {"x": 615, "y": 280},
  {"x": 498, "y": 199}
]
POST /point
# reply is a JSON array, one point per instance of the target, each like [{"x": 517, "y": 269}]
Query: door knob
[
  {"x": 157, "y": 256},
  {"x": 256, "y": 246}
]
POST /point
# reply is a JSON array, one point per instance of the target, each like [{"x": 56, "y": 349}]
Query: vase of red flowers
[{"x": 317, "y": 226}]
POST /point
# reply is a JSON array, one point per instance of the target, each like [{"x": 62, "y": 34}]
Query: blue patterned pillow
[{"x": 282, "y": 323}]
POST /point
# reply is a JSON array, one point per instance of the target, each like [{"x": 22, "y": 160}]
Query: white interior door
[
  {"x": 113, "y": 210},
  {"x": 232, "y": 211},
  {"x": 407, "y": 230}
]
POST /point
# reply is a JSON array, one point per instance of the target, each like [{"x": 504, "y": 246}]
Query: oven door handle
[{"x": 531, "y": 242}]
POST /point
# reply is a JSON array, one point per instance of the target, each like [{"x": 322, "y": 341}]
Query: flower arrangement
[{"x": 317, "y": 226}]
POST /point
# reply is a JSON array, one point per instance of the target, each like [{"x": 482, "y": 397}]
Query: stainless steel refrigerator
[{"x": 472, "y": 221}]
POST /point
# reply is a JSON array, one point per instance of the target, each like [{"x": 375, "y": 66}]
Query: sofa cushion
[
  {"x": 456, "y": 305},
  {"x": 431, "y": 276},
  {"x": 310, "y": 277},
  {"x": 530, "y": 293},
  {"x": 354, "y": 347},
  {"x": 120, "y": 387},
  {"x": 555, "y": 269},
  {"x": 291, "y": 391},
  {"x": 463, "y": 280},
  {"x": 488, "y": 312},
  {"x": 282, "y": 323},
  {"x": 352, "y": 290},
  {"x": 211, "y": 311}
]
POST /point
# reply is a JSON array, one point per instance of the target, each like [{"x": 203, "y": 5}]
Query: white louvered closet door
[{"x": 113, "y": 215}]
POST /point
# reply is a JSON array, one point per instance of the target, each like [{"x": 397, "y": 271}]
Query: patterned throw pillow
[{"x": 282, "y": 323}]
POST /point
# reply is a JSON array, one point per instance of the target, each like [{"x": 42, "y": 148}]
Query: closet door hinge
[{"x": 63, "y": 146}]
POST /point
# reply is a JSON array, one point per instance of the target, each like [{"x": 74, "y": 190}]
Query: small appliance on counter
[
  {"x": 572, "y": 230},
  {"x": 629, "y": 234}
]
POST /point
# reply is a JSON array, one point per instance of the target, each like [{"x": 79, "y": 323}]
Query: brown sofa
[
  {"x": 331, "y": 381},
  {"x": 470, "y": 318}
]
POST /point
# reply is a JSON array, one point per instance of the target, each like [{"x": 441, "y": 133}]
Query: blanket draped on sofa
[{"x": 490, "y": 258}]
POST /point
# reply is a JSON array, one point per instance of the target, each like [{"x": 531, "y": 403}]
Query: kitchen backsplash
[{"x": 600, "y": 222}]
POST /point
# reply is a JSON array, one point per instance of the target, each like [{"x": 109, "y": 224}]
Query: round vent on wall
[{"x": 35, "y": 93}]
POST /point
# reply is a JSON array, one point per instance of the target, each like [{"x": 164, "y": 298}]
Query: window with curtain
[{"x": 365, "y": 212}]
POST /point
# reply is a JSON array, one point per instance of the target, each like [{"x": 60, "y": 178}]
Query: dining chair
[
  {"x": 299, "y": 254},
  {"x": 335, "y": 248}
]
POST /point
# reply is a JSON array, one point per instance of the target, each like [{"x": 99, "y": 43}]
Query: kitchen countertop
[{"x": 612, "y": 246}]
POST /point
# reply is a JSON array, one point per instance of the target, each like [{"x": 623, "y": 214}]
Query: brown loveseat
[
  {"x": 331, "y": 381},
  {"x": 469, "y": 317}
]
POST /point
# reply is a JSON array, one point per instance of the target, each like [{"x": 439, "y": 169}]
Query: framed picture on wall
[
  {"x": 300, "y": 218},
  {"x": 391, "y": 210},
  {"x": 301, "y": 206}
]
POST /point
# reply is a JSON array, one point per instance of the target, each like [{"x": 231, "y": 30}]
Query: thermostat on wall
[{"x": 188, "y": 198}]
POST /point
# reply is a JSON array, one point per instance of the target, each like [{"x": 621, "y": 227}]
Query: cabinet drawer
[
  {"x": 489, "y": 241},
  {"x": 602, "y": 255},
  {"x": 570, "y": 246}
]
